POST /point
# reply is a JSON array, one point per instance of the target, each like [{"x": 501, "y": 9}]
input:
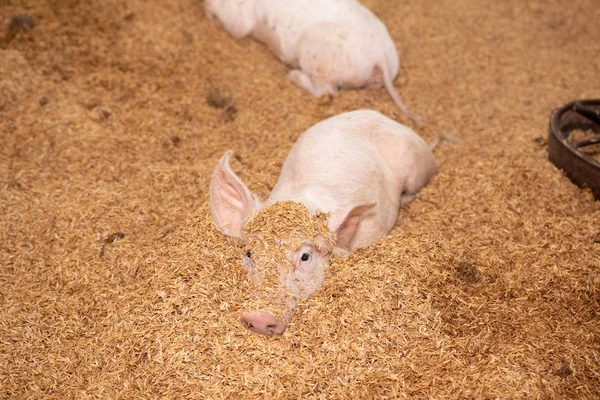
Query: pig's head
[
  {"x": 287, "y": 248},
  {"x": 236, "y": 16}
]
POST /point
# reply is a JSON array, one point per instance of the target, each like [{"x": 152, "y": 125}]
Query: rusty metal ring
[{"x": 567, "y": 155}]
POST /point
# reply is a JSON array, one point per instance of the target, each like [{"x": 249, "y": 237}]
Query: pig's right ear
[
  {"x": 345, "y": 224},
  {"x": 231, "y": 202}
]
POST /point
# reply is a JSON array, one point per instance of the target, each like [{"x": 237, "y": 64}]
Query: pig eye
[
  {"x": 248, "y": 254},
  {"x": 305, "y": 257}
]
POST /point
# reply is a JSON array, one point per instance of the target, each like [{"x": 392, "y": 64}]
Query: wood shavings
[{"x": 399, "y": 319}]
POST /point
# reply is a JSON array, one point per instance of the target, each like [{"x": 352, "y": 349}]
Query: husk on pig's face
[{"x": 287, "y": 252}]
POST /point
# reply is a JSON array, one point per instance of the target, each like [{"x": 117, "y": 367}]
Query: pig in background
[
  {"x": 340, "y": 188},
  {"x": 331, "y": 45}
]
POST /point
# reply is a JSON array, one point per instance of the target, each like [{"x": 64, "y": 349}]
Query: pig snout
[{"x": 263, "y": 323}]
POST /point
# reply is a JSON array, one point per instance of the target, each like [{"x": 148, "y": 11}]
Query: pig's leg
[
  {"x": 406, "y": 197},
  {"x": 314, "y": 86},
  {"x": 421, "y": 173},
  {"x": 322, "y": 61},
  {"x": 415, "y": 181}
]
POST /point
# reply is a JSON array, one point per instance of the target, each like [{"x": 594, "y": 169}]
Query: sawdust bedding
[{"x": 114, "y": 283}]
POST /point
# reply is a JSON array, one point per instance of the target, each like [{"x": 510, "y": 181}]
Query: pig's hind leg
[
  {"x": 420, "y": 174},
  {"x": 314, "y": 86},
  {"x": 406, "y": 197},
  {"x": 321, "y": 59}
]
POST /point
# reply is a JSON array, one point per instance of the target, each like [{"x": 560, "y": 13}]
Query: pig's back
[
  {"x": 357, "y": 141},
  {"x": 355, "y": 158},
  {"x": 291, "y": 19},
  {"x": 307, "y": 12}
]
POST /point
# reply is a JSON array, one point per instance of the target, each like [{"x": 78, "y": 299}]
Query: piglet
[
  {"x": 340, "y": 188},
  {"x": 330, "y": 45}
]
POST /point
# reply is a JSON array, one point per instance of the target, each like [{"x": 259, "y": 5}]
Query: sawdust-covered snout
[
  {"x": 287, "y": 252},
  {"x": 281, "y": 278}
]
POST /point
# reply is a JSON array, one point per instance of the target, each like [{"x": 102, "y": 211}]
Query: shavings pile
[
  {"x": 114, "y": 284},
  {"x": 290, "y": 223}
]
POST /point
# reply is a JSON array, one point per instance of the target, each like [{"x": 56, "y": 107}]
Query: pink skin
[
  {"x": 358, "y": 166},
  {"x": 263, "y": 323},
  {"x": 330, "y": 45}
]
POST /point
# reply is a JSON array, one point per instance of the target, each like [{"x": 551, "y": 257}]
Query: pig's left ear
[
  {"x": 231, "y": 202},
  {"x": 345, "y": 223}
]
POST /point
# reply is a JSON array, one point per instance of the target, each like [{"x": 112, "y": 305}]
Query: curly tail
[{"x": 389, "y": 86}]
